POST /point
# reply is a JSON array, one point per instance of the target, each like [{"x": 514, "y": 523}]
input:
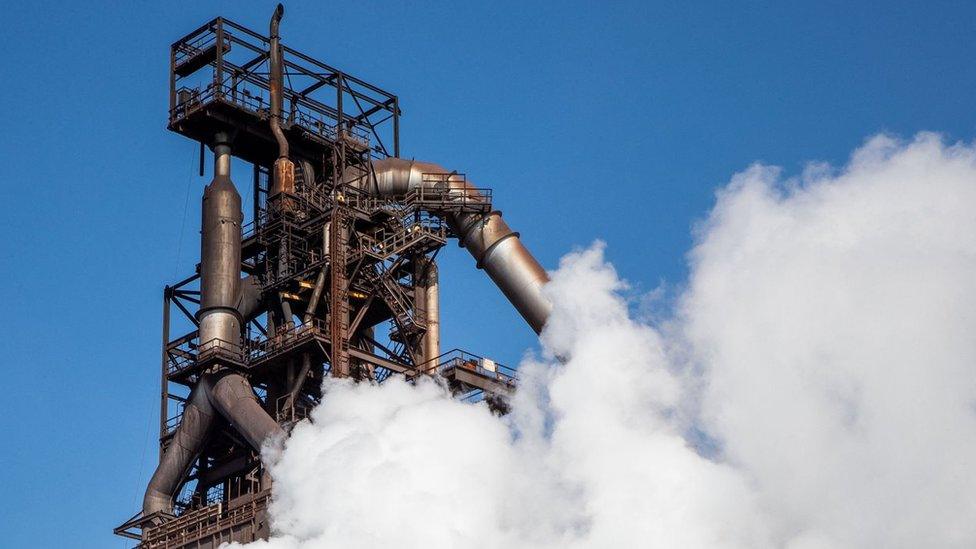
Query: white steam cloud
[{"x": 814, "y": 388}]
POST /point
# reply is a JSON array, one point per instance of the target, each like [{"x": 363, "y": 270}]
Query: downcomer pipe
[
  {"x": 198, "y": 416},
  {"x": 284, "y": 169},
  {"x": 232, "y": 396},
  {"x": 495, "y": 247}
]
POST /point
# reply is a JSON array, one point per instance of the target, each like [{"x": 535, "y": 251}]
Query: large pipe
[
  {"x": 223, "y": 295},
  {"x": 428, "y": 298},
  {"x": 276, "y": 82},
  {"x": 220, "y": 255},
  {"x": 198, "y": 416},
  {"x": 234, "y": 398},
  {"x": 284, "y": 168},
  {"x": 495, "y": 247},
  {"x": 313, "y": 302}
]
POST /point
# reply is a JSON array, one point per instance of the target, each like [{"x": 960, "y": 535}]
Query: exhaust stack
[{"x": 284, "y": 168}]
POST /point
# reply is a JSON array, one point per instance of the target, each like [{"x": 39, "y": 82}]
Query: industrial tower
[{"x": 334, "y": 275}]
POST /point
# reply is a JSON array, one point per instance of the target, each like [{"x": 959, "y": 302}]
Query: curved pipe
[
  {"x": 495, "y": 247},
  {"x": 232, "y": 396},
  {"x": 198, "y": 418},
  {"x": 276, "y": 82}
]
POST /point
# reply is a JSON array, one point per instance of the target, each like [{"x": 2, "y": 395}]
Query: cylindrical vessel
[
  {"x": 220, "y": 257},
  {"x": 428, "y": 301}
]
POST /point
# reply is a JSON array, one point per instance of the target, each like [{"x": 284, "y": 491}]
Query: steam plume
[{"x": 813, "y": 388}]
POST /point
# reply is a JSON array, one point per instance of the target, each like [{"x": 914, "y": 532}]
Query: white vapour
[
  {"x": 835, "y": 317},
  {"x": 814, "y": 388}
]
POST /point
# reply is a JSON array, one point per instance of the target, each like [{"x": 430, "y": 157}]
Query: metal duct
[
  {"x": 275, "y": 82},
  {"x": 495, "y": 247},
  {"x": 223, "y": 295},
  {"x": 234, "y": 398},
  {"x": 220, "y": 254},
  {"x": 428, "y": 299},
  {"x": 284, "y": 168},
  {"x": 198, "y": 416}
]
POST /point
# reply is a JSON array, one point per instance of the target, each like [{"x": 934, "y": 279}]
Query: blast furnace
[{"x": 334, "y": 274}]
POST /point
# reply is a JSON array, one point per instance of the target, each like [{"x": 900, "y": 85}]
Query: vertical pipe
[
  {"x": 426, "y": 301},
  {"x": 163, "y": 374},
  {"x": 296, "y": 384},
  {"x": 339, "y": 86},
  {"x": 222, "y": 156},
  {"x": 172, "y": 81},
  {"x": 396, "y": 127},
  {"x": 276, "y": 81},
  {"x": 313, "y": 302},
  {"x": 256, "y": 204},
  {"x": 432, "y": 338},
  {"x": 219, "y": 69},
  {"x": 220, "y": 256},
  {"x": 284, "y": 168}
]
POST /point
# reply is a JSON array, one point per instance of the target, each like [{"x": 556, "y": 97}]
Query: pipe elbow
[
  {"x": 234, "y": 398},
  {"x": 156, "y": 501},
  {"x": 279, "y": 12},
  {"x": 496, "y": 248},
  {"x": 183, "y": 448}
]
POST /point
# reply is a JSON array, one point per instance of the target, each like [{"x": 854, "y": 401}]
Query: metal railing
[
  {"x": 191, "y": 352},
  {"x": 202, "y": 523},
  {"x": 459, "y": 358},
  {"x": 443, "y": 192},
  {"x": 273, "y": 344},
  {"x": 250, "y": 97},
  {"x": 219, "y": 348},
  {"x": 385, "y": 244},
  {"x": 195, "y": 46}
]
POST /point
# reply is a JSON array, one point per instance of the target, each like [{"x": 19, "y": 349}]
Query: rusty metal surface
[{"x": 341, "y": 273}]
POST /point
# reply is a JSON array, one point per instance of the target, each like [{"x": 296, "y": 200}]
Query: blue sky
[{"x": 589, "y": 120}]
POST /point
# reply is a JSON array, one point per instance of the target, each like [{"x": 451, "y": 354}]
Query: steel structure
[{"x": 335, "y": 274}]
